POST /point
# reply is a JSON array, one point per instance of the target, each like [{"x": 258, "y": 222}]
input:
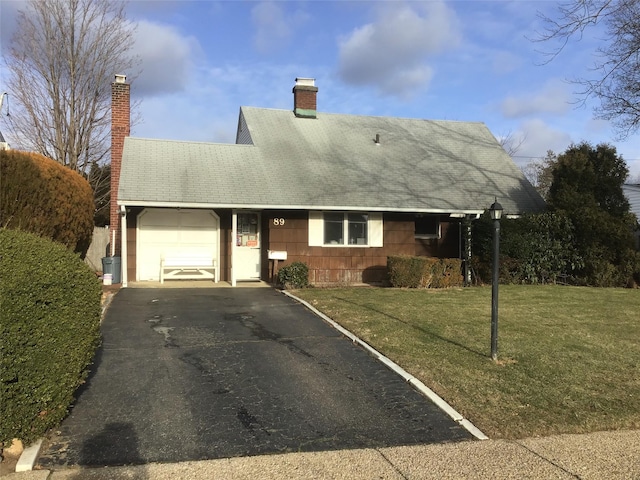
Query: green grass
[{"x": 569, "y": 357}]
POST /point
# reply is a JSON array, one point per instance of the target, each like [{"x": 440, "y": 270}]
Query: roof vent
[{"x": 377, "y": 140}]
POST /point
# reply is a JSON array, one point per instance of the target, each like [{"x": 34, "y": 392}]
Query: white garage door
[{"x": 174, "y": 233}]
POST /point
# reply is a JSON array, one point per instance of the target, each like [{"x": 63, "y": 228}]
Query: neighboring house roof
[
  {"x": 3, "y": 143},
  {"x": 632, "y": 192},
  {"x": 330, "y": 162}
]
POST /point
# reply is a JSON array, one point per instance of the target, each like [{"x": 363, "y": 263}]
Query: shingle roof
[
  {"x": 172, "y": 172},
  {"x": 334, "y": 162}
]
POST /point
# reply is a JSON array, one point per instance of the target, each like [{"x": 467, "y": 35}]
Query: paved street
[{"x": 193, "y": 374}]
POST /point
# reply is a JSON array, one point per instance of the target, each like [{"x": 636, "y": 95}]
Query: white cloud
[
  {"x": 390, "y": 53},
  {"x": 506, "y": 62},
  {"x": 554, "y": 97},
  {"x": 167, "y": 58},
  {"x": 537, "y": 138},
  {"x": 207, "y": 109},
  {"x": 165, "y": 54},
  {"x": 274, "y": 27},
  {"x": 597, "y": 126}
]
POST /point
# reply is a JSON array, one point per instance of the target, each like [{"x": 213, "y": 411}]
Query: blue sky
[{"x": 455, "y": 60}]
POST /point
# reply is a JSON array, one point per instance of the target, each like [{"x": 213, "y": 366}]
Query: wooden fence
[{"x": 98, "y": 248}]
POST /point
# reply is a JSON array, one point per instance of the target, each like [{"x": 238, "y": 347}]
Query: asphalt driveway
[{"x": 191, "y": 374}]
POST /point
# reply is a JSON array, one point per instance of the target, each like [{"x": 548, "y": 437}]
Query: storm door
[{"x": 247, "y": 246}]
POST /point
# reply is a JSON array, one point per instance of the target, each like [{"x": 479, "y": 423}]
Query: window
[
  {"x": 349, "y": 226},
  {"x": 357, "y": 227},
  {"x": 345, "y": 229},
  {"x": 248, "y": 233},
  {"x": 333, "y": 228},
  {"x": 427, "y": 226}
]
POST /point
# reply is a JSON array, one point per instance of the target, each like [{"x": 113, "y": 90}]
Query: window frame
[
  {"x": 437, "y": 234},
  {"x": 317, "y": 230}
]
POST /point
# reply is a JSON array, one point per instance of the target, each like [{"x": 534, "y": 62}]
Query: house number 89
[{"x": 278, "y": 221}]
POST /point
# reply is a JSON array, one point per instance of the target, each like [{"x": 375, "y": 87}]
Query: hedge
[
  {"x": 41, "y": 196},
  {"x": 49, "y": 331},
  {"x": 424, "y": 272}
]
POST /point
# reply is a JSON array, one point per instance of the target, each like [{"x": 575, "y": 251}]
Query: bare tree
[
  {"x": 511, "y": 144},
  {"x": 540, "y": 172},
  {"x": 61, "y": 62},
  {"x": 617, "y": 69}
]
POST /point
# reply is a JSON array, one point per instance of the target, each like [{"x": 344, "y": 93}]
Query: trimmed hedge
[
  {"x": 294, "y": 275},
  {"x": 41, "y": 196},
  {"x": 424, "y": 272},
  {"x": 49, "y": 331}
]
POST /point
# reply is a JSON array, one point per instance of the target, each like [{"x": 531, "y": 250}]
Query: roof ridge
[
  {"x": 188, "y": 142},
  {"x": 386, "y": 117}
]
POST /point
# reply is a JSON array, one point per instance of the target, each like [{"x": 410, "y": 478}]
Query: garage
[{"x": 174, "y": 233}]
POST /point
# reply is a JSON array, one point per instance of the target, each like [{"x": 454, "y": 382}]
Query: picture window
[{"x": 346, "y": 228}]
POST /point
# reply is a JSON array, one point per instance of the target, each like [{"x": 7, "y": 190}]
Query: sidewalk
[{"x": 602, "y": 455}]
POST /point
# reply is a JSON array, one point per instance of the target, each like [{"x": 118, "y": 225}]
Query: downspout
[
  {"x": 234, "y": 236},
  {"x": 218, "y": 258},
  {"x": 460, "y": 250},
  {"x": 123, "y": 246}
]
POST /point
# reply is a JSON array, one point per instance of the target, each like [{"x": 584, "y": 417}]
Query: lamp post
[{"x": 496, "y": 214}]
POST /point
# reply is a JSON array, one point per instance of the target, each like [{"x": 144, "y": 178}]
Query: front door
[{"x": 247, "y": 247}]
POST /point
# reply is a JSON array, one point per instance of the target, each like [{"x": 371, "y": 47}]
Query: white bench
[{"x": 188, "y": 267}]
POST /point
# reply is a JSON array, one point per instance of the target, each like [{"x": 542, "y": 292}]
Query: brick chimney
[
  {"x": 120, "y": 128},
  {"x": 304, "y": 98}
]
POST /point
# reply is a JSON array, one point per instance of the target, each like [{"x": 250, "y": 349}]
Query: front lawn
[{"x": 569, "y": 357}]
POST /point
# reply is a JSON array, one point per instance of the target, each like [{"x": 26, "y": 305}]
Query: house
[
  {"x": 3, "y": 143},
  {"x": 338, "y": 192},
  {"x": 632, "y": 194}
]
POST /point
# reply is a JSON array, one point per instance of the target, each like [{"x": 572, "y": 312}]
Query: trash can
[{"x": 112, "y": 265}]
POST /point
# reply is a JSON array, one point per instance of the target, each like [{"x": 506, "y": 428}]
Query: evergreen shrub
[
  {"x": 294, "y": 275},
  {"x": 49, "y": 331},
  {"x": 41, "y": 196},
  {"x": 424, "y": 272},
  {"x": 535, "y": 248}
]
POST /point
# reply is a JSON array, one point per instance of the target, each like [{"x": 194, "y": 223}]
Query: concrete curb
[
  {"x": 105, "y": 304},
  {"x": 29, "y": 456},
  {"x": 413, "y": 381}
]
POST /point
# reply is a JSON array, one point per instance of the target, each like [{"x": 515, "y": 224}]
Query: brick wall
[
  {"x": 120, "y": 128},
  {"x": 305, "y": 100},
  {"x": 327, "y": 265},
  {"x": 346, "y": 265}
]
